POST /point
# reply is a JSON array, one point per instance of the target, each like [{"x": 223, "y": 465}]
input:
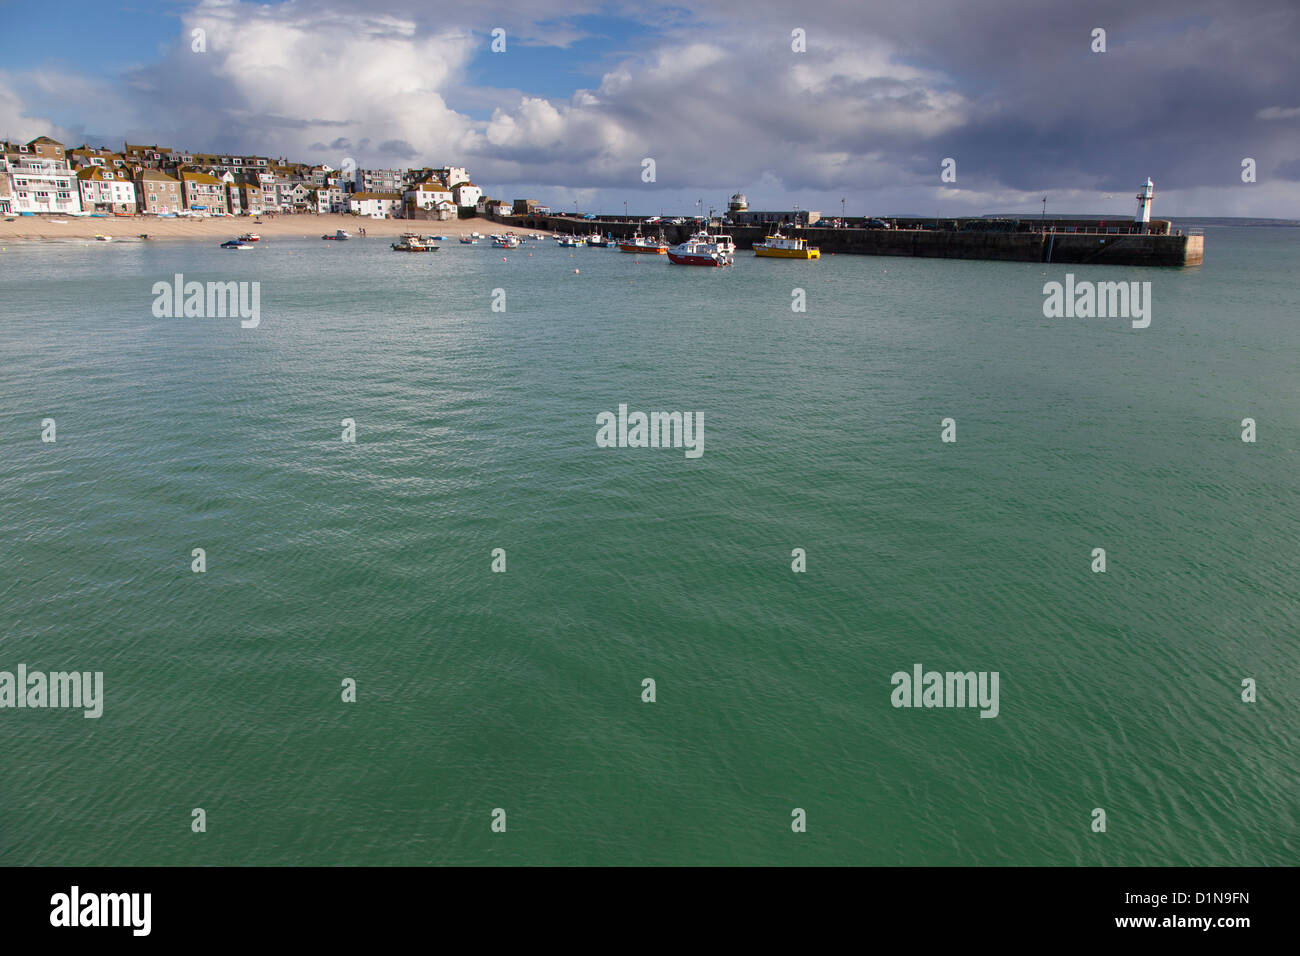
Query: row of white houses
[{"x": 45, "y": 177}]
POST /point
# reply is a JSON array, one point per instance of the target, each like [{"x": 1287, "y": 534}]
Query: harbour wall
[{"x": 1091, "y": 243}]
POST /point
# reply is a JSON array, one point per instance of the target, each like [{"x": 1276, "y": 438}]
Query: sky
[{"x": 830, "y": 106}]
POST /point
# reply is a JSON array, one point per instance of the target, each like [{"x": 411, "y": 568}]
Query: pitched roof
[
  {"x": 100, "y": 172},
  {"x": 156, "y": 175}
]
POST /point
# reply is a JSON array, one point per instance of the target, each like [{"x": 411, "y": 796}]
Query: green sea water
[{"x": 475, "y": 430}]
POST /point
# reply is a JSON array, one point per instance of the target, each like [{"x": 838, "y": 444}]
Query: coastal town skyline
[
  {"x": 836, "y": 109},
  {"x": 44, "y": 176}
]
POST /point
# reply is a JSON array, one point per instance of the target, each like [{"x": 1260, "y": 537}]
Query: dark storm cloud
[
  {"x": 1175, "y": 94},
  {"x": 1289, "y": 171},
  {"x": 398, "y": 149}
]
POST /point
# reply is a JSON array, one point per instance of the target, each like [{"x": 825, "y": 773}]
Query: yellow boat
[{"x": 781, "y": 247}]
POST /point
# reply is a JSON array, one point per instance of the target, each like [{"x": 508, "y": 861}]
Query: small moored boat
[
  {"x": 702, "y": 250},
  {"x": 410, "y": 242},
  {"x": 236, "y": 244},
  {"x": 340, "y": 235},
  {"x": 639, "y": 243},
  {"x": 786, "y": 247}
]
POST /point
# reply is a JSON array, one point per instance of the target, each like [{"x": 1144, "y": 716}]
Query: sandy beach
[{"x": 83, "y": 228}]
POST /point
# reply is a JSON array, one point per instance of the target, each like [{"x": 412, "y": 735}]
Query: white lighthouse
[{"x": 1144, "y": 203}]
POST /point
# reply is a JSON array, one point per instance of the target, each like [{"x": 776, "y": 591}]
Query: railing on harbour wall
[{"x": 1088, "y": 242}]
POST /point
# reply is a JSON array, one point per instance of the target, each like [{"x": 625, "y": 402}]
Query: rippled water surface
[{"x": 475, "y": 430}]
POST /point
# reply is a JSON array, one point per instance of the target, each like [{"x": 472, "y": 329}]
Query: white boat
[
  {"x": 639, "y": 243},
  {"x": 699, "y": 250},
  {"x": 723, "y": 243},
  {"x": 505, "y": 242},
  {"x": 410, "y": 242}
]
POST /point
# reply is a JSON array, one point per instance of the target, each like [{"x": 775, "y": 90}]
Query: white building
[
  {"x": 41, "y": 180},
  {"x": 427, "y": 195},
  {"x": 375, "y": 205},
  {"x": 466, "y": 194},
  {"x": 105, "y": 190}
]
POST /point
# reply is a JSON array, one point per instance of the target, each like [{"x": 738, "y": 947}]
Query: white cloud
[
  {"x": 15, "y": 122},
  {"x": 275, "y": 79},
  {"x": 716, "y": 97}
]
